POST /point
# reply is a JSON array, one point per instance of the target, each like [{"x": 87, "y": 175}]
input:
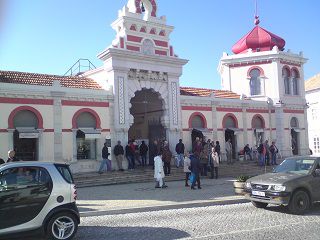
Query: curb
[{"x": 217, "y": 202}]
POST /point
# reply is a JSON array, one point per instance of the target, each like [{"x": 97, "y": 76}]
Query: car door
[
  {"x": 315, "y": 186},
  {"x": 23, "y": 193}
]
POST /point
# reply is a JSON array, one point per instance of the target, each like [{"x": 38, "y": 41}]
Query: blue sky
[{"x": 50, "y": 36}]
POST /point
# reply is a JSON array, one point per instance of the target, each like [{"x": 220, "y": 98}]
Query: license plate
[{"x": 257, "y": 193}]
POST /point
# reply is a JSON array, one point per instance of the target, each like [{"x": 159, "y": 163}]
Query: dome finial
[{"x": 256, "y": 16}]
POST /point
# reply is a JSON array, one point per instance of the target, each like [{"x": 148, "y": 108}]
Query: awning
[
  {"x": 28, "y": 132},
  {"x": 91, "y": 133}
]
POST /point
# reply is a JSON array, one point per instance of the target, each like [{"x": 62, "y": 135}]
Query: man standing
[
  {"x": 153, "y": 152},
  {"x": 273, "y": 150},
  {"x": 247, "y": 152},
  {"x": 11, "y": 156},
  {"x": 195, "y": 171},
  {"x": 229, "y": 151},
  {"x": 217, "y": 148},
  {"x": 119, "y": 152},
  {"x": 262, "y": 154},
  {"x": 143, "y": 149},
  {"x": 180, "y": 152},
  {"x": 267, "y": 154},
  {"x": 106, "y": 163},
  {"x": 166, "y": 158},
  {"x": 130, "y": 156}
]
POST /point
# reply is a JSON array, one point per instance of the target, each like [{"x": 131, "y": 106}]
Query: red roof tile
[
  {"x": 47, "y": 80},
  {"x": 204, "y": 92}
]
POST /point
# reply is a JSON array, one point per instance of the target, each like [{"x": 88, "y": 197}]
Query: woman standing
[{"x": 186, "y": 167}]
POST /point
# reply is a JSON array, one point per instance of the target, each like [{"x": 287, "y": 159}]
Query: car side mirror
[{"x": 317, "y": 173}]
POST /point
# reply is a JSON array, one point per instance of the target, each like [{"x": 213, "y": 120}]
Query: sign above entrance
[
  {"x": 145, "y": 75},
  {"x": 28, "y": 135}
]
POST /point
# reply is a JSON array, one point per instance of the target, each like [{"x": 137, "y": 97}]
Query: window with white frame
[
  {"x": 286, "y": 80},
  {"x": 295, "y": 82},
  {"x": 255, "y": 82}
]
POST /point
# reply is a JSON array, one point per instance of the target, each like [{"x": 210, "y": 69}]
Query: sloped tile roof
[
  {"x": 204, "y": 92},
  {"x": 312, "y": 83},
  {"x": 47, "y": 80}
]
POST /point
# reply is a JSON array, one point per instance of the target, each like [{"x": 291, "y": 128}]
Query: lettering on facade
[{"x": 145, "y": 75}]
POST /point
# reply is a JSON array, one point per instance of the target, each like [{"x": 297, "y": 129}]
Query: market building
[{"x": 136, "y": 94}]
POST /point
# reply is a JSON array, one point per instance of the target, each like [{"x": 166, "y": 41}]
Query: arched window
[
  {"x": 197, "y": 122},
  {"x": 25, "y": 118},
  {"x": 255, "y": 83},
  {"x": 294, "y": 123},
  {"x": 257, "y": 122},
  {"x": 230, "y": 122},
  {"x": 86, "y": 135},
  {"x": 295, "y": 82},
  {"x": 286, "y": 80}
]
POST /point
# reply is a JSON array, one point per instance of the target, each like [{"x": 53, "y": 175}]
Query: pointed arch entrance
[{"x": 147, "y": 109}]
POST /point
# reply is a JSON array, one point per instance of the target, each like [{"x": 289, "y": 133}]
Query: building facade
[
  {"x": 312, "y": 87},
  {"x": 136, "y": 94}
]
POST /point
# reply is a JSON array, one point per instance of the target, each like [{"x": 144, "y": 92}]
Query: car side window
[{"x": 23, "y": 177}]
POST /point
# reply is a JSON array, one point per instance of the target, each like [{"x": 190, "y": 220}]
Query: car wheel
[
  {"x": 259, "y": 204},
  {"x": 62, "y": 226},
  {"x": 299, "y": 202}
]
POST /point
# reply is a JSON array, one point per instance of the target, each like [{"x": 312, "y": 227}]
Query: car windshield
[{"x": 298, "y": 166}]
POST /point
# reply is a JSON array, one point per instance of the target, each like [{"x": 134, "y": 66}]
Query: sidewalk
[{"x": 119, "y": 199}]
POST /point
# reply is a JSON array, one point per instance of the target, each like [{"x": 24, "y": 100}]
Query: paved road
[{"x": 235, "y": 221}]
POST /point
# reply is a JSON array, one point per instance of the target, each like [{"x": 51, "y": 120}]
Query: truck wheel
[
  {"x": 299, "y": 202},
  {"x": 62, "y": 226},
  {"x": 259, "y": 204}
]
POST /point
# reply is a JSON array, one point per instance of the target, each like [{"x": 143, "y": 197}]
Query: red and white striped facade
[{"x": 140, "y": 58}]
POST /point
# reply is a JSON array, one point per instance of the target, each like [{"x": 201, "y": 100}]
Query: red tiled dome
[{"x": 258, "y": 39}]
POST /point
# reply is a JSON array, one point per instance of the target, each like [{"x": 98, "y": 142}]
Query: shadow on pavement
[
  {"x": 117, "y": 233},
  {"x": 130, "y": 233}
]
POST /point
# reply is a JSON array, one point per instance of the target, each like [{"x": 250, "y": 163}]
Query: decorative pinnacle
[{"x": 256, "y": 20}]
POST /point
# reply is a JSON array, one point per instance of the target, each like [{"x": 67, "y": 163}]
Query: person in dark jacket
[
  {"x": 2, "y": 161},
  {"x": 247, "y": 152},
  {"x": 180, "y": 152},
  {"x": 11, "y": 156},
  {"x": 106, "y": 163},
  {"x": 143, "y": 149},
  {"x": 119, "y": 152},
  {"x": 195, "y": 171},
  {"x": 217, "y": 149},
  {"x": 130, "y": 156},
  {"x": 153, "y": 152},
  {"x": 166, "y": 158}
]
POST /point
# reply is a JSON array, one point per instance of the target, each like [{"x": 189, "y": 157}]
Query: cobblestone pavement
[{"x": 236, "y": 221}]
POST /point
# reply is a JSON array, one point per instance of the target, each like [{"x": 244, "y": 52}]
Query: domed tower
[{"x": 260, "y": 68}]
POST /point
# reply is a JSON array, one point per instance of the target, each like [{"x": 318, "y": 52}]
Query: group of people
[
  {"x": 11, "y": 157},
  {"x": 266, "y": 153}
]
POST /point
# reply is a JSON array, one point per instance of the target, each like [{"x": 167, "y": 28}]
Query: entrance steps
[{"x": 146, "y": 174}]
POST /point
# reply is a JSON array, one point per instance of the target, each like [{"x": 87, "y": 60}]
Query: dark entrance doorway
[
  {"x": 147, "y": 110},
  {"x": 26, "y": 136},
  {"x": 294, "y": 124},
  {"x": 229, "y": 134}
]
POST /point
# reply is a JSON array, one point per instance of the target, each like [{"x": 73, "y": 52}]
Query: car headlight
[
  {"x": 248, "y": 184},
  {"x": 278, "y": 188}
]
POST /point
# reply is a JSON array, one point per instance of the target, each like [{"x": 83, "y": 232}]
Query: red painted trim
[
  {"x": 66, "y": 130},
  {"x": 121, "y": 42},
  {"x": 286, "y": 67},
  {"x": 220, "y": 129},
  {"x": 186, "y": 129},
  {"x": 161, "y": 43},
  {"x": 26, "y": 101},
  {"x": 273, "y": 111},
  {"x": 132, "y": 38},
  {"x": 159, "y": 52},
  {"x": 48, "y": 130},
  {"x": 196, "y": 108},
  {"x": 84, "y": 104},
  {"x": 257, "y": 111},
  {"x": 210, "y": 129},
  {"x": 293, "y": 111},
  {"x": 222, "y": 109},
  {"x": 153, "y": 31},
  {"x": 232, "y": 116},
  {"x": 261, "y": 118},
  {"x": 204, "y": 120},
  {"x": 287, "y": 129},
  {"x": 296, "y": 70},
  {"x": 249, "y": 129},
  {"x": 162, "y": 33},
  {"x": 105, "y": 130},
  {"x": 27, "y": 108},
  {"x": 133, "y": 48},
  {"x": 3, "y": 130},
  {"x": 249, "y": 64},
  {"x": 290, "y": 64},
  {"x": 143, "y": 29},
  {"x": 255, "y": 67},
  {"x": 76, "y": 115},
  {"x": 171, "y": 51},
  {"x": 133, "y": 27}
]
